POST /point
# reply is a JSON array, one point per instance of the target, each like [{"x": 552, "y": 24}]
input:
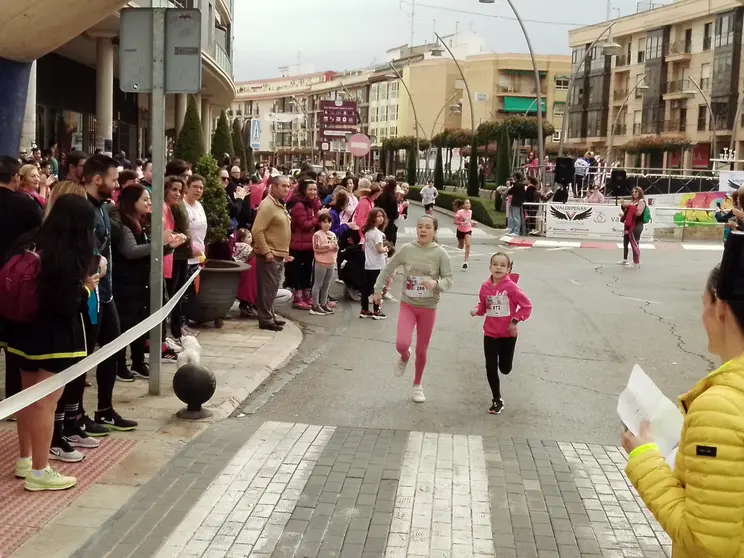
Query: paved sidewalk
[
  {"x": 241, "y": 357},
  {"x": 251, "y": 488}
]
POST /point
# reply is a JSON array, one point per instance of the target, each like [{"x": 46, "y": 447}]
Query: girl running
[
  {"x": 428, "y": 273},
  {"x": 505, "y": 306},
  {"x": 429, "y": 197},
  {"x": 464, "y": 222},
  {"x": 632, "y": 215},
  {"x": 374, "y": 260}
]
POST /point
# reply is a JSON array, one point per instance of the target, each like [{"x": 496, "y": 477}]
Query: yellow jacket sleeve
[
  {"x": 261, "y": 222},
  {"x": 704, "y": 515}
]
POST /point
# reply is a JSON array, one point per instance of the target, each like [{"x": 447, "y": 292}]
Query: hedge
[{"x": 482, "y": 213}]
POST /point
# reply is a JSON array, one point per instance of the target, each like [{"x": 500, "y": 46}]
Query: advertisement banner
[
  {"x": 338, "y": 118},
  {"x": 589, "y": 221}
]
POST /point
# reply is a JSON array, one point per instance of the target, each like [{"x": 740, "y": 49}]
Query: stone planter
[{"x": 218, "y": 287}]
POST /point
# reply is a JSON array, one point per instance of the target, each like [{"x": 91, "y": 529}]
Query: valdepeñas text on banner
[{"x": 588, "y": 221}]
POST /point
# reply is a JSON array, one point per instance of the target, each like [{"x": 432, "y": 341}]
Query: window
[
  {"x": 722, "y": 68},
  {"x": 393, "y": 112},
  {"x": 593, "y": 123},
  {"x": 394, "y": 90},
  {"x": 641, "y": 56},
  {"x": 577, "y": 55},
  {"x": 561, "y": 84},
  {"x": 702, "y": 123},
  {"x": 653, "y": 47},
  {"x": 596, "y": 88},
  {"x": 393, "y": 131},
  {"x": 373, "y": 114},
  {"x": 559, "y": 109},
  {"x": 638, "y": 92},
  {"x": 557, "y": 136},
  {"x": 383, "y": 114},
  {"x": 724, "y": 30},
  {"x": 382, "y": 92},
  {"x": 707, "y": 36},
  {"x": 598, "y": 59},
  {"x": 705, "y": 76},
  {"x": 383, "y": 133}
]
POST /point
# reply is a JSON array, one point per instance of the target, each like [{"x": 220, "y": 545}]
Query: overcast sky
[{"x": 346, "y": 34}]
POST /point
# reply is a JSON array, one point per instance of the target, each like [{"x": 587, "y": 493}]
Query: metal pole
[
  {"x": 431, "y": 137},
  {"x": 540, "y": 142},
  {"x": 617, "y": 117},
  {"x": 571, "y": 80},
  {"x": 474, "y": 154},
  {"x": 714, "y": 141},
  {"x": 413, "y": 106},
  {"x": 157, "y": 127}
]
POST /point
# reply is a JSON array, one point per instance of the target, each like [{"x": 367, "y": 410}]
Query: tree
[
  {"x": 473, "y": 184},
  {"x": 383, "y": 159},
  {"x": 412, "y": 164},
  {"x": 439, "y": 171},
  {"x": 503, "y": 158},
  {"x": 237, "y": 140},
  {"x": 190, "y": 142},
  {"x": 222, "y": 141},
  {"x": 214, "y": 200}
]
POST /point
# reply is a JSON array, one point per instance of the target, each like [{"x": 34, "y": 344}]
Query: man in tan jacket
[{"x": 271, "y": 235}]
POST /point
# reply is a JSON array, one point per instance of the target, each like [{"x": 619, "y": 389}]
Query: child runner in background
[
  {"x": 247, "y": 290},
  {"x": 505, "y": 306},
  {"x": 374, "y": 260},
  {"x": 325, "y": 247},
  {"x": 428, "y": 197},
  {"x": 428, "y": 273},
  {"x": 464, "y": 222}
]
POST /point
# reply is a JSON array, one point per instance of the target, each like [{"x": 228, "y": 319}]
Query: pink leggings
[{"x": 423, "y": 320}]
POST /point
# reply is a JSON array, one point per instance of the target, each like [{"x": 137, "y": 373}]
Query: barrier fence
[{"x": 30, "y": 395}]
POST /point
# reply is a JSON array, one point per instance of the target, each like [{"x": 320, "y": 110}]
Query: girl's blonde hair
[
  {"x": 242, "y": 234},
  {"x": 26, "y": 170},
  {"x": 60, "y": 189}
]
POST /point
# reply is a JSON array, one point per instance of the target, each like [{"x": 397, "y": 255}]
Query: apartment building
[{"x": 686, "y": 56}]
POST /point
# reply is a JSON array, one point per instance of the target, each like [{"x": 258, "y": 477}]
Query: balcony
[
  {"x": 620, "y": 130},
  {"x": 618, "y": 95},
  {"x": 623, "y": 62},
  {"x": 516, "y": 91},
  {"x": 223, "y": 59},
  {"x": 679, "y": 51},
  {"x": 674, "y": 126},
  {"x": 651, "y": 127},
  {"x": 678, "y": 89}
]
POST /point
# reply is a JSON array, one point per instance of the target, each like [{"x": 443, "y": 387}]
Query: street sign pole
[{"x": 157, "y": 127}]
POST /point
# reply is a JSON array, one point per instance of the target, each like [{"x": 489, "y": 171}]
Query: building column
[
  {"x": 206, "y": 120},
  {"x": 687, "y": 159},
  {"x": 181, "y": 102},
  {"x": 105, "y": 95},
  {"x": 13, "y": 94},
  {"x": 627, "y": 160},
  {"x": 665, "y": 161},
  {"x": 28, "y": 135}
]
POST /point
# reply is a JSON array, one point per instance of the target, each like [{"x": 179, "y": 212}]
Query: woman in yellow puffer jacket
[{"x": 700, "y": 504}]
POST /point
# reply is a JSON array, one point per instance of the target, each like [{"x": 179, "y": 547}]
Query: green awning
[
  {"x": 530, "y": 72},
  {"x": 522, "y": 104}
]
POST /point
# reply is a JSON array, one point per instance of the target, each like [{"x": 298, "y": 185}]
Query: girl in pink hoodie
[{"x": 505, "y": 306}]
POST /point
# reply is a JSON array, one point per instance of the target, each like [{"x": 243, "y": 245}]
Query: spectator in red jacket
[{"x": 305, "y": 210}]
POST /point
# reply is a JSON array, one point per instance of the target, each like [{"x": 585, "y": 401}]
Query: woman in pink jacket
[
  {"x": 505, "y": 306},
  {"x": 304, "y": 214},
  {"x": 367, "y": 199}
]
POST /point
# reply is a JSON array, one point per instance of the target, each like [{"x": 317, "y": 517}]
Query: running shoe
[
  {"x": 353, "y": 294},
  {"x": 328, "y": 309},
  {"x": 61, "y": 450},
  {"x": 22, "y": 467},
  {"x": 379, "y": 315},
  {"x": 91, "y": 427},
  {"x": 623, "y": 262},
  {"x": 418, "y": 394},
  {"x": 141, "y": 370},
  {"x": 173, "y": 344},
  {"x": 496, "y": 407},
  {"x": 49, "y": 479},
  {"x": 248, "y": 312},
  {"x": 365, "y": 314},
  {"x": 399, "y": 367},
  {"x": 124, "y": 375},
  {"x": 169, "y": 355},
  {"x": 78, "y": 438},
  {"x": 111, "y": 420},
  {"x": 317, "y": 311},
  {"x": 465, "y": 265},
  {"x": 279, "y": 322}
]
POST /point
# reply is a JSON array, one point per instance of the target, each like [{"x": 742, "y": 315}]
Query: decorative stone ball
[{"x": 194, "y": 384}]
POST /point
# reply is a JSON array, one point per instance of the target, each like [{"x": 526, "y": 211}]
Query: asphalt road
[{"x": 592, "y": 321}]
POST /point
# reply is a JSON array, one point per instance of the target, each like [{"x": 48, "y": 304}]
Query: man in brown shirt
[{"x": 271, "y": 235}]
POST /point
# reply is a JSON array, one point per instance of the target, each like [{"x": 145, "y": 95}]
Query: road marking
[
  {"x": 703, "y": 247},
  {"x": 442, "y": 504},
  {"x": 575, "y": 282},
  {"x": 559, "y": 249},
  {"x": 444, "y": 232},
  {"x": 542, "y": 243},
  {"x": 641, "y": 246},
  {"x": 640, "y": 299}
]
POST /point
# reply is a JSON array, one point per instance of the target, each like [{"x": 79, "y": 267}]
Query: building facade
[
  {"x": 686, "y": 56},
  {"x": 96, "y": 114}
]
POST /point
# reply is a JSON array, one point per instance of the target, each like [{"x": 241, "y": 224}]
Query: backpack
[
  {"x": 19, "y": 297},
  {"x": 646, "y": 215}
]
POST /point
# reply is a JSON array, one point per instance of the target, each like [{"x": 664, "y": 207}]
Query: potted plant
[{"x": 220, "y": 276}]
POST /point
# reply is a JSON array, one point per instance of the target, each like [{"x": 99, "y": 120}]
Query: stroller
[{"x": 351, "y": 263}]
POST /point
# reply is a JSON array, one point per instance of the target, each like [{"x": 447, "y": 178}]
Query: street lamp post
[
  {"x": 571, "y": 81},
  {"x": 638, "y": 86},
  {"x": 714, "y": 143},
  {"x": 540, "y": 141},
  {"x": 416, "y": 124},
  {"x": 434, "y": 126}
]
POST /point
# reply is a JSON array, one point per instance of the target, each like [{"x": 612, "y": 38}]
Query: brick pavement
[{"x": 251, "y": 488}]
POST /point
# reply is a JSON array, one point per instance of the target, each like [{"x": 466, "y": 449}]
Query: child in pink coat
[{"x": 505, "y": 306}]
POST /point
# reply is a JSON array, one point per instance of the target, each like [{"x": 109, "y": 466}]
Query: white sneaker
[
  {"x": 418, "y": 394},
  {"x": 63, "y": 451},
  {"x": 389, "y": 296},
  {"x": 399, "y": 367},
  {"x": 82, "y": 440},
  {"x": 173, "y": 344},
  {"x": 623, "y": 262}
]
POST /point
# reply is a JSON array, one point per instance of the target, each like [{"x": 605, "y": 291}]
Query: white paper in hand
[{"x": 642, "y": 400}]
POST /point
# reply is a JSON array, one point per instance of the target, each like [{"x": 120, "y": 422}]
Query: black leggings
[
  {"x": 499, "y": 356},
  {"x": 628, "y": 243},
  {"x": 301, "y": 269},
  {"x": 391, "y": 233},
  {"x": 368, "y": 288},
  {"x": 104, "y": 332}
]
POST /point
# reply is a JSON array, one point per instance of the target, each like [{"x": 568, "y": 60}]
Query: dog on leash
[{"x": 191, "y": 353}]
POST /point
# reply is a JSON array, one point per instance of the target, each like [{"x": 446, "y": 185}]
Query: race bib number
[
  {"x": 497, "y": 306},
  {"x": 415, "y": 287}
]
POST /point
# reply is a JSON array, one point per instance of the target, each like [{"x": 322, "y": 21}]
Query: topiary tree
[
  {"x": 237, "y": 140},
  {"x": 503, "y": 158},
  {"x": 214, "y": 201},
  {"x": 250, "y": 164},
  {"x": 473, "y": 184},
  {"x": 412, "y": 164},
  {"x": 222, "y": 140},
  {"x": 439, "y": 171},
  {"x": 190, "y": 142}
]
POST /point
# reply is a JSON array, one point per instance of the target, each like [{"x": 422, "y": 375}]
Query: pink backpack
[{"x": 19, "y": 297}]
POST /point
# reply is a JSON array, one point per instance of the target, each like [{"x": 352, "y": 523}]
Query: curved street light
[
  {"x": 640, "y": 86},
  {"x": 434, "y": 126},
  {"x": 572, "y": 79},
  {"x": 416, "y": 123},
  {"x": 714, "y": 132}
]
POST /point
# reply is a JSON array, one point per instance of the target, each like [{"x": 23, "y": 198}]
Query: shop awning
[{"x": 522, "y": 104}]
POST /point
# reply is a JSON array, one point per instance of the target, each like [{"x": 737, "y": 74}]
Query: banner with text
[{"x": 583, "y": 221}]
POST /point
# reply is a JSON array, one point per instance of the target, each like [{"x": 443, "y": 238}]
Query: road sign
[
  {"x": 324, "y": 146},
  {"x": 255, "y": 134},
  {"x": 339, "y": 146},
  {"x": 338, "y": 120},
  {"x": 359, "y": 145}
]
